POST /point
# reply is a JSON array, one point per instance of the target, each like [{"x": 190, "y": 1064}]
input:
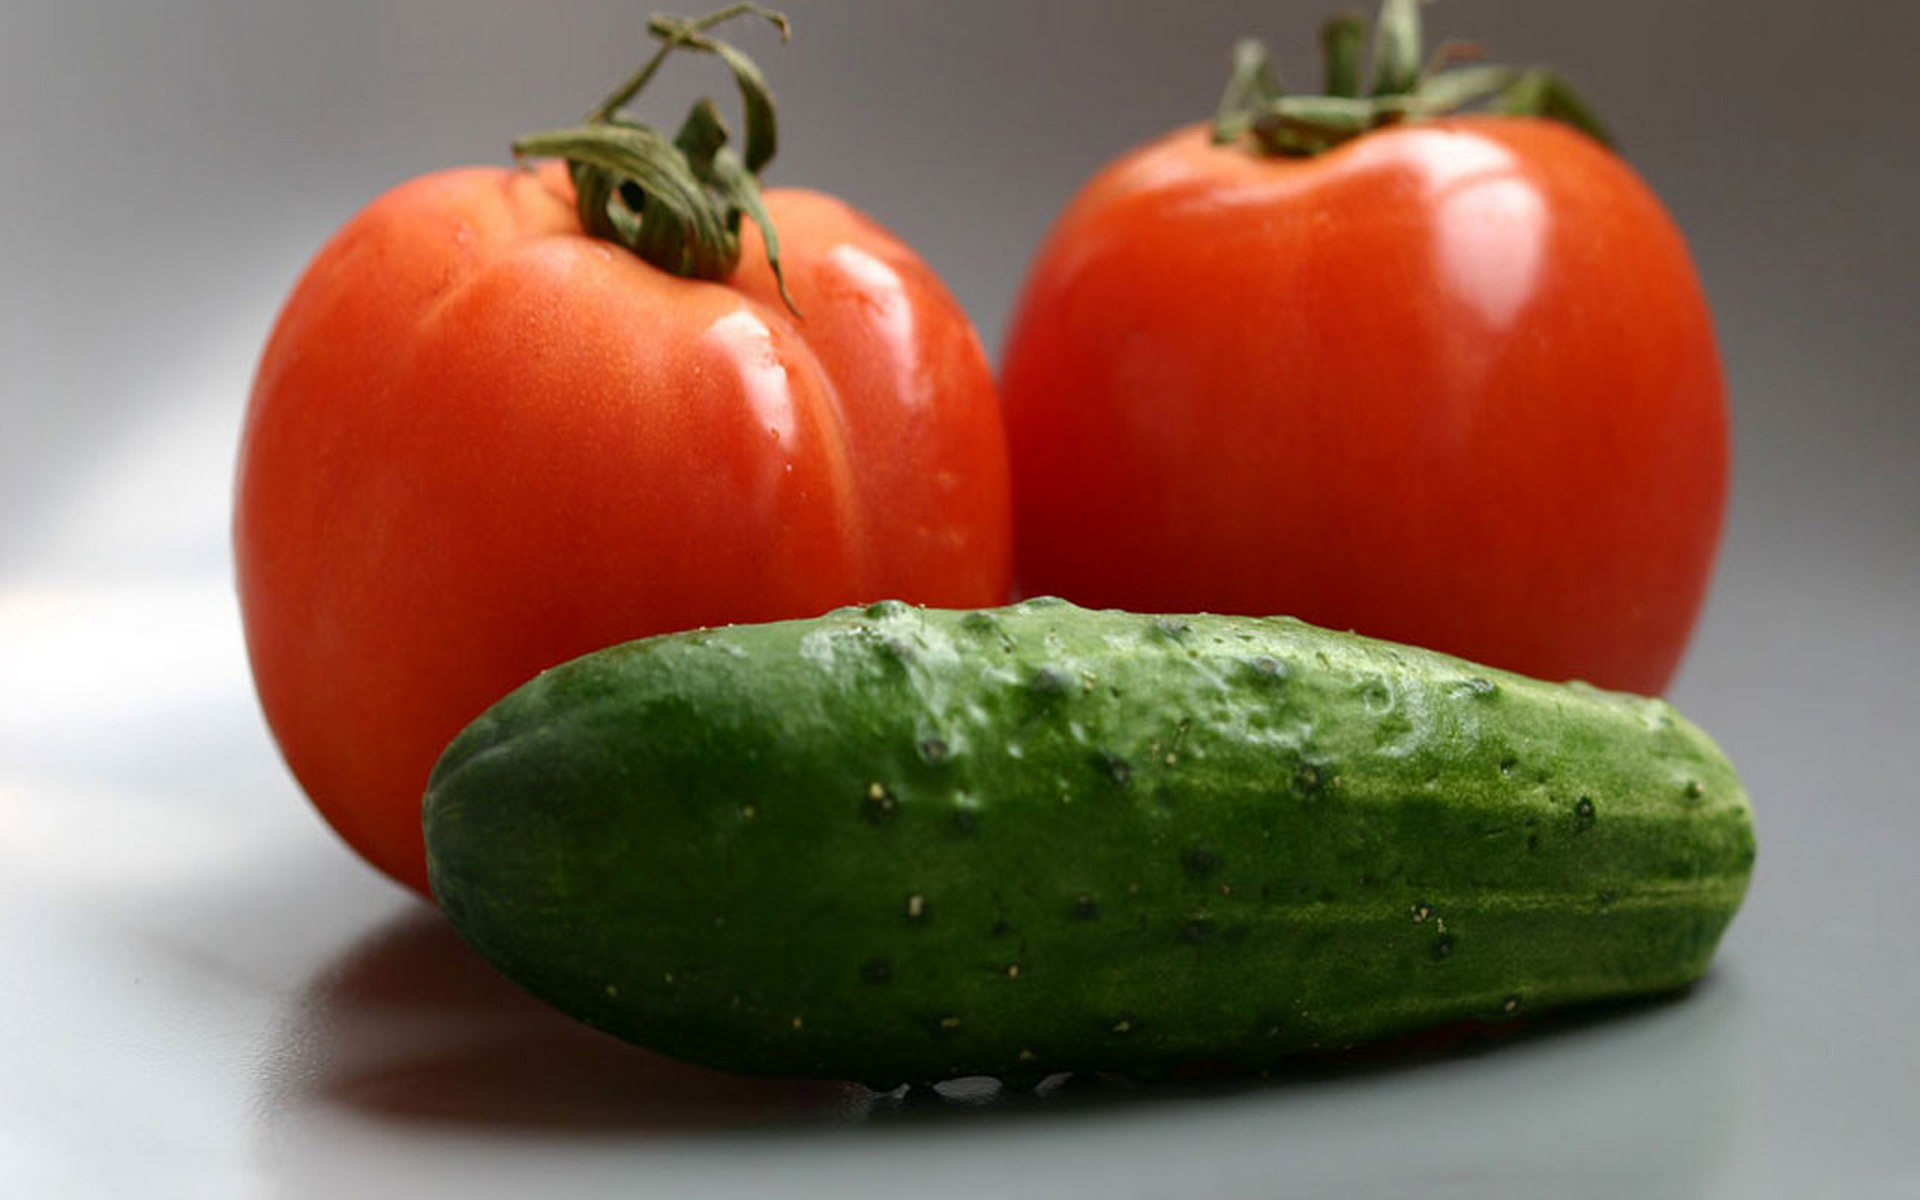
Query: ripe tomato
[
  {"x": 482, "y": 442},
  {"x": 1450, "y": 382}
]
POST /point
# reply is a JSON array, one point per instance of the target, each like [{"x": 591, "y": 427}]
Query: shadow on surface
[{"x": 412, "y": 1025}]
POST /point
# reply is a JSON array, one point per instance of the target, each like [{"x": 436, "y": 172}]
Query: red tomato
[
  {"x": 481, "y": 443},
  {"x": 1451, "y": 383}
]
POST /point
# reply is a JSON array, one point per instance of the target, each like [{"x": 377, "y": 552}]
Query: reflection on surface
[
  {"x": 1491, "y": 240},
  {"x": 1491, "y": 223},
  {"x": 748, "y": 343},
  {"x": 409, "y": 1068},
  {"x": 412, "y": 1026},
  {"x": 884, "y": 303}
]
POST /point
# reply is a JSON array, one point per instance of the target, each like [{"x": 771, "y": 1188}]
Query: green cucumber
[{"x": 895, "y": 844}]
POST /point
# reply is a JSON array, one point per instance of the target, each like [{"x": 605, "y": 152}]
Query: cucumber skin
[{"x": 894, "y": 844}]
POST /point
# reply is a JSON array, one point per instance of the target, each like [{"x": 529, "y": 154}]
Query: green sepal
[
  {"x": 1451, "y": 91},
  {"x": 1341, "y": 40},
  {"x": 676, "y": 228},
  {"x": 1312, "y": 124},
  {"x": 1251, "y": 84},
  {"x": 1403, "y": 88},
  {"x": 1540, "y": 92},
  {"x": 703, "y": 138},
  {"x": 1396, "y": 48}
]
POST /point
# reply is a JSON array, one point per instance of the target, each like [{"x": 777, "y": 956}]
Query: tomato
[
  {"x": 1451, "y": 382},
  {"x": 482, "y": 442}
]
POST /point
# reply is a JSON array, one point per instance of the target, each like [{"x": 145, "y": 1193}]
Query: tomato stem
[
  {"x": 1402, "y": 88},
  {"x": 682, "y": 32},
  {"x": 676, "y": 203}
]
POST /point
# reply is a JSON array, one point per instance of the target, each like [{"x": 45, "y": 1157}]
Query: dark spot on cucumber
[
  {"x": 1197, "y": 931},
  {"x": 1084, "y": 908},
  {"x": 877, "y": 971},
  {"x": 1375, "y": 696},
  {"x": 1507, "y": 765},
  {"x": 1693, "y": 790},
  {"x": 1309, "y": 779},
  {"x": 1171, "y": 628},
  {"x": 879, "y": 805},
  {"x": 1118, "y": 769},
  {"x": 1443, "y": 947},
  {"x": 1533, "y": 841},
  {"x": 933, "y": 750},
  {"x": 1172, "y": 754},
  {"x": 1267, "y": 669},
  {"x": 886, "y": 608},
  {"x": 1000, "y": 928},
  {"x": 1049, "y": 684},
  {"x": 964, "y": 822},
  {"x": 1201, "y": 861},
  {"x": 1583, "y": 814},
  {"x": 1392, "y": 728},
  {"x": 979, "y": 622}
]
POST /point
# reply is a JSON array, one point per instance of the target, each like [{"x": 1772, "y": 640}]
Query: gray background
[{"x": 196, "y": 968}]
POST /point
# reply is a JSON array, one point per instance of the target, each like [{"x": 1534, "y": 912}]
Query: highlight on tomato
[
  {"x": 1419, "y": 356},
  {"x": 513, "y": 414}
]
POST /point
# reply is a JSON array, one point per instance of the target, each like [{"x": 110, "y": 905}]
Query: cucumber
[{"x": 894, "y": 844}]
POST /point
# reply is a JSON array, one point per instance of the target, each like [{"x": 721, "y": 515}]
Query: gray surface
[{"x": 205, "y": 995}]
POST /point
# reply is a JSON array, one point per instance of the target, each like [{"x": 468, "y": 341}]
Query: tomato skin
[
  {"x": 1452, "y": 383},
  {"x": 481, "y": 443}
]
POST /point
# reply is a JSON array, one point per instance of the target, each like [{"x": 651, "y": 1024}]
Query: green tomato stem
[
  {"x": 1402, "y": 88},
  {"x": 677, "y": 203}
]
